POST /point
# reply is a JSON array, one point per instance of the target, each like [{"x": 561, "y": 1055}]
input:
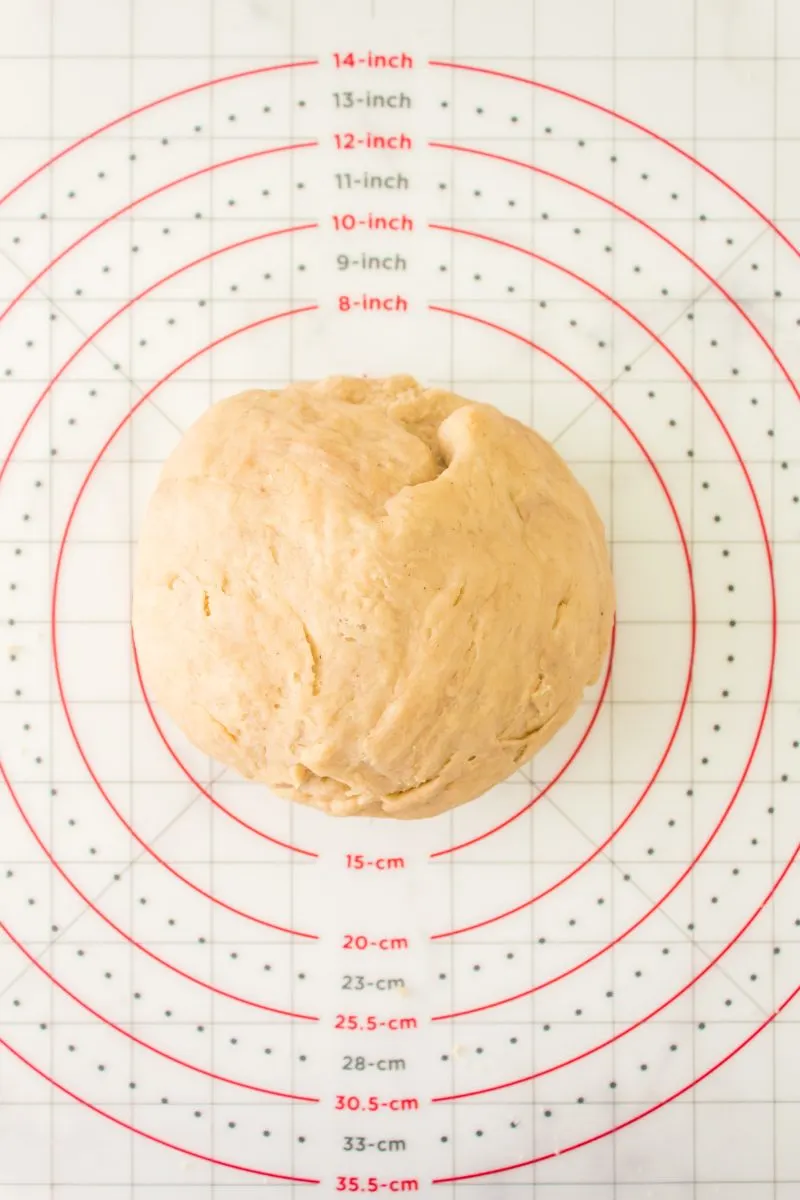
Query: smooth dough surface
[{"x": 377, "y": 598}]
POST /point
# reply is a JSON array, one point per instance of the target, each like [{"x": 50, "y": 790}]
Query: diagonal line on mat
[
  {"x": 652, "y": 345},
  {"x": 118, "y": 372},
  {"x": 684, "y": 935},
  {"x": 107, "y": 887}
]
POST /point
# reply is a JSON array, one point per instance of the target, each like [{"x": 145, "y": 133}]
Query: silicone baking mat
[{"x": 580, "y": 986}]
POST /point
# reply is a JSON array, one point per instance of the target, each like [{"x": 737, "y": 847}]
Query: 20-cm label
[{"x": 360, "y": 941}]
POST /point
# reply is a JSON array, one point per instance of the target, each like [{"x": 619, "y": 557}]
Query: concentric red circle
[
  {"x": 87, "y": 342},
  {"x": 124, "y": 308},
  {"x": 45, "y": 849},
  {"x": 762, "y": 526},
  {"x": 693, "y": 1083},
  {"x": 709, "y": 278},
  {"x": 150, "y": 1137},
  {"x": 460, "y": 230},
  {"x": 204, "y": 85},
  {"x": 145, "y": 1045},
  {"x": 68, "y": 715},
  {"x": 59, "y": 868},
  {"x": 54, "y": 623},
  {"x": 687, "y": 987},
  {"x": 692, "y": 643},
  {"x": 634, "y": 1120}
]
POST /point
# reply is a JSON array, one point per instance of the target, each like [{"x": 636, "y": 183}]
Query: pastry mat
[{"x": 580, "y": 986}]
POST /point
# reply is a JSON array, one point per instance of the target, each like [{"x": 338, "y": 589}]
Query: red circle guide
[{"x": 240, "y": 986}]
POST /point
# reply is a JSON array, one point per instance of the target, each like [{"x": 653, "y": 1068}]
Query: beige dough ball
[{"x": 377, "y": 598}]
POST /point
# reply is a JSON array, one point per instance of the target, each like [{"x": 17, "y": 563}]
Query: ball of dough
[{"x": 377, "y": 598}]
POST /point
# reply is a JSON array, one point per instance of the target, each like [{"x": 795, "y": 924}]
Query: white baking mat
[{"x": 583, "y": 981}]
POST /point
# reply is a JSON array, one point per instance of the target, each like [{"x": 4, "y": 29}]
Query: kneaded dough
[{"x": 378, "y": 598}]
